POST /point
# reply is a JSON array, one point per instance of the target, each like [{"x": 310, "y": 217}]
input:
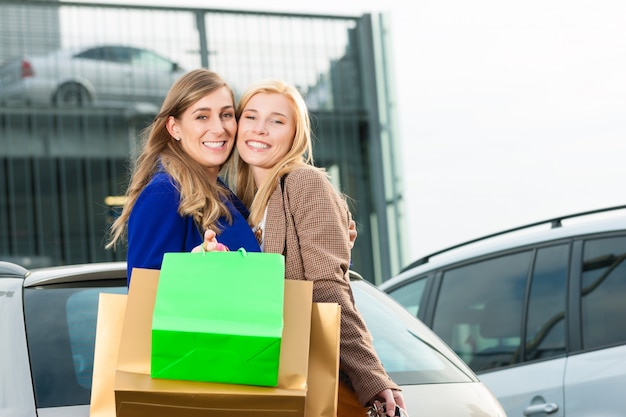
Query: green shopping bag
[{"x": 218, "y": 317}]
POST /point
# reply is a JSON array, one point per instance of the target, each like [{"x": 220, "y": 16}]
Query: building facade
[{"x": 78, "y": 87}]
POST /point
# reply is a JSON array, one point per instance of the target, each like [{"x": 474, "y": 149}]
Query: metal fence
[{"x": 79, "y": 81}]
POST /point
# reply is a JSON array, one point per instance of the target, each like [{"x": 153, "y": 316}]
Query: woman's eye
[{"x": 227, "y": 116}]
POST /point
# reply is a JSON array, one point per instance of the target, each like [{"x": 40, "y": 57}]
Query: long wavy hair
[
  {"x": 199, "y": 196},
  {"x": 299, "y": 155}
]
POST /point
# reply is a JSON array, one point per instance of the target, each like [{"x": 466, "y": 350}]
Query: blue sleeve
[{"x": 155, "y": 227}]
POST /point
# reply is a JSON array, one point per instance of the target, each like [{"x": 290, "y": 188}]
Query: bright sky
[{"x": 510, "y": 112}]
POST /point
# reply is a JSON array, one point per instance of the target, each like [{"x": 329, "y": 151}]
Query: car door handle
[{"x": 547, "y": 408}]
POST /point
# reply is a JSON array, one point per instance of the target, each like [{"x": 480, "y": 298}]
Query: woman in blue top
[{"x": 175, "y": 200}]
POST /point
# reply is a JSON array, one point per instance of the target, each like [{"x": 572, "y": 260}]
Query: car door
[
  {"x": 531, "y": 390},
  {"x": 485, "y": 309},
  {"x": 534, "y": 386},
  {"x": 596, "y": 372}
]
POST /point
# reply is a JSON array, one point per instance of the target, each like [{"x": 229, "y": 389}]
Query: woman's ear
[{"x": 172, "y": 127}]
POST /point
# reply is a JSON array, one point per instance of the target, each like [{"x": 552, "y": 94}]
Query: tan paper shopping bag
[
  {"x": 111, "y": 309},
  {"x": 137, "y": 394},
  {"x": 323, "y": 360}
]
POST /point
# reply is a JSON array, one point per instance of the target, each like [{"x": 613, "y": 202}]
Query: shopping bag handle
[{"x": 242, "y": 251}]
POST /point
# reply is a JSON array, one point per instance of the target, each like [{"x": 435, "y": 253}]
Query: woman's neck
[
  {"x": 259, "y": 175},
  {"x": 213, "y": 173}
]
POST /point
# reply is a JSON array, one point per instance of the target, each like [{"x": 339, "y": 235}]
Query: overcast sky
[{"x": 510, "y": 112}]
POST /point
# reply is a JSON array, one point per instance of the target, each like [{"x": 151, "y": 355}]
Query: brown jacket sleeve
[{"x": 308, "y": 223}]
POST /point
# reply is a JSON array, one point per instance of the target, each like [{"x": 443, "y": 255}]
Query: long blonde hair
[
  {"x": 299, "y": 155},
  {"x": 199, "y": 196}
]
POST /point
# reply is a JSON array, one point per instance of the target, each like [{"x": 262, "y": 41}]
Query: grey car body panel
[{"x": 16, "y": 386}]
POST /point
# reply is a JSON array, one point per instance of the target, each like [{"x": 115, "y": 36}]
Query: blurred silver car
[
  {"x": 48, "y": 325},
  {"x": 107, "y": 74}
]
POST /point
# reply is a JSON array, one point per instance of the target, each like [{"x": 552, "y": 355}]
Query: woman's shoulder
[
  {"x": 160, "y": 188},
  {"x": 161, "y": 181},
  {"x": 304, "y": 181},
  {"x": 306, "y": 174}
]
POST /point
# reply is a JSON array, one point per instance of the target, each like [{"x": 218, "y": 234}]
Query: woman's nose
[
  {"x": 260, "y": 127},
  {"x": 216, "y": 125}
]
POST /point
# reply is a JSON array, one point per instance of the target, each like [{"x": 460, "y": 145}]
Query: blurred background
[
  {"x": 443, "y": 120},
  {"x": 79, "y": 82}
]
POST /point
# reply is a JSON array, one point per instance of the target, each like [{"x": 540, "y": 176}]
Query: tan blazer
[{"x": 310, "y": 227}]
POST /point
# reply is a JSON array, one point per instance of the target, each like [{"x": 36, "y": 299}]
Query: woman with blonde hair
[{"x": 296, "y": 211}]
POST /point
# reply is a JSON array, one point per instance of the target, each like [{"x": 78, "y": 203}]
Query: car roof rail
[
  {"x": 11, "y": 270},
  {"x": 554, "y": 222}
]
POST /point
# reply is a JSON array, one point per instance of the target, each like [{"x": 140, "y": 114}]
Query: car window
[
  {"x": 122, "y": 54},
  {"x": 545, "y": 325},
  {"x": 402, "y": 348},
  {"x": 479, "y": 310},
  {"x": 61, "y": 328},
  {"x": 603, "y": 292},
  {"x": 410, "y": 294},
  {"x": 100, "y": 54},
  {"x": 150, "y": 60}
]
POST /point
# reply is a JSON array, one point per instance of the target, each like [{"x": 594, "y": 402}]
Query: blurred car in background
[
  {"x": 48, "y": 326},
  {"x": 536, "y": 311},
  {"x": 106, "y": 74}
]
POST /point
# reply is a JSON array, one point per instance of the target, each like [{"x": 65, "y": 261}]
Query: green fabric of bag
[{"x": 218, "y": 317}]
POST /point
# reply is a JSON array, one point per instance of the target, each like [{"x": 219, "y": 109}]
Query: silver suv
[{"x": 536, "y": 312}]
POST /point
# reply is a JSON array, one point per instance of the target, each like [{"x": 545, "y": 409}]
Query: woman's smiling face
[
  {"x": 266, "y": 130},
  {"x": 206, "y": 130}
]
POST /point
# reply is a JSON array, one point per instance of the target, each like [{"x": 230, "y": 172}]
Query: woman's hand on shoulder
[
  {"x": 352, "y": 233},
  {"x": 210, "y": 243}
]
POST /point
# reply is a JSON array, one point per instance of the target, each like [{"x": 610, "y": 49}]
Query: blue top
[{"x": 155, "y": 226}]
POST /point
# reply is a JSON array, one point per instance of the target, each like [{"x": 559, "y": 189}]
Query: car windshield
[{"x": 407, "y": 355}]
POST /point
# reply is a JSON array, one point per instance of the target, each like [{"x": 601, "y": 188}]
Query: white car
[
  {"x": 48, "y": 322},
  {"x": 535, "y": 311},
  {"x": 107, "y": 74}
]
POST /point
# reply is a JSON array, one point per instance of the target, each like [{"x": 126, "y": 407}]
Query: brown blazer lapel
[{"x": 275, "y": 224}]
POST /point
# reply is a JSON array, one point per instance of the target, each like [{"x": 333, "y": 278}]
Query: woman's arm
[
  {"x": 155, "y": 227},
  {"x": 321, "y": 218}
]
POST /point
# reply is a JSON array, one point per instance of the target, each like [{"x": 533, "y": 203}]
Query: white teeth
[
  {"x": 257, "y": 145},
  {"x": 213, "y": 144}
]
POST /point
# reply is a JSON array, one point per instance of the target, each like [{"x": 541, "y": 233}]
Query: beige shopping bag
[
  {"x": 323, "y": 360},
  {"x": 111, "y": 310},
  {"x": 137, "y": 394}
]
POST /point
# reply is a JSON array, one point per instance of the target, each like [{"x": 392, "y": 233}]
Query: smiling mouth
[
  {"x": 257, "y": 145},
  {"x": 214, "y": 145}
]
